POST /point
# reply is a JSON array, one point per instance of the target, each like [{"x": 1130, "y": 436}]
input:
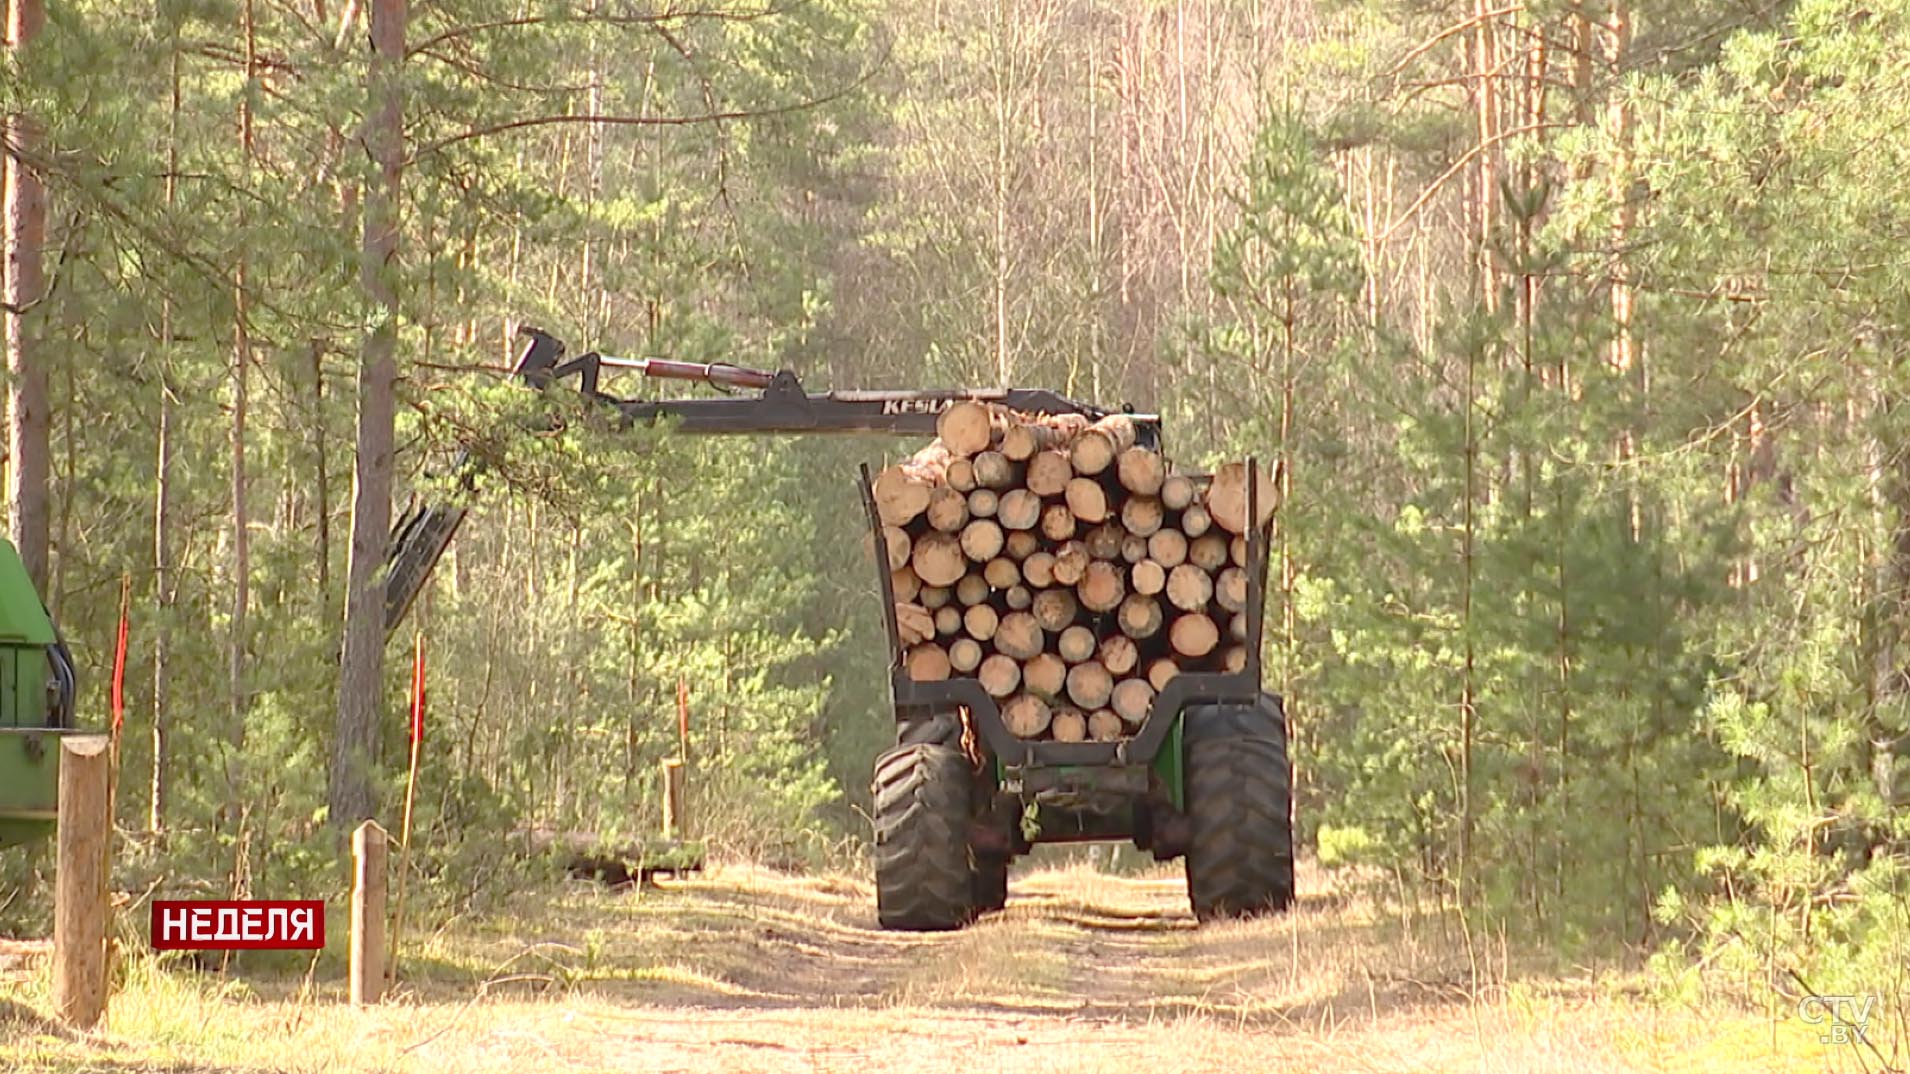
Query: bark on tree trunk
[
  {"x": 164, "y": 592},
  {"x": 28, "y": 428},
  {"x": 362, "y": 660},
  {"x": 321, "y": 479},
  {"x": 241, "y": 525},
  {"x": 1000, "y": 184}
]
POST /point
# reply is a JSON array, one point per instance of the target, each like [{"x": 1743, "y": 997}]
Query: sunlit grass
[{"x": 749, "y": 969}]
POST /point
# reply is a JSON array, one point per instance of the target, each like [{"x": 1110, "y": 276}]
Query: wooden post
[
  {"x": 368, "y": 915},
  {"x": 672, "y": 797},
  {"x": 80, "y": 907}
]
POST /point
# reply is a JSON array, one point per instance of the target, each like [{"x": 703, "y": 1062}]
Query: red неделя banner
[{"x": 238, "y": 924}]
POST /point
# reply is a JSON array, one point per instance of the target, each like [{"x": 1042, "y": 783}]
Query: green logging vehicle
[
  {"x": 1204, "y": 776},
  {"x": 36, "y": 706}
]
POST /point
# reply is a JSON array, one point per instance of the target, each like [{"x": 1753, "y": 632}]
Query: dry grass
[{"x": 749, "y": 970}]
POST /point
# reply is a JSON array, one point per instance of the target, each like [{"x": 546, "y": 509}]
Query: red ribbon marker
[
  {"x": 119, "y": 655},
  {"x": 417, "y": 692}
]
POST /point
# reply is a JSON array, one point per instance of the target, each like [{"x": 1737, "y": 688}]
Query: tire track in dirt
[
  {"x": 757, "y": 971},
  {"x": 749, "y": 970},
  {"x": 1082, "y": 972}
]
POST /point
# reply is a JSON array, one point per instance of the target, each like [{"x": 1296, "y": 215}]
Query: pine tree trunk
[
  {"x": 1003, "y": 81},
  {"x": 1094, "y": 201},
  {"x": 354, "y": 756},
  {"x": 69, "y": 454},
  {"x": 1486, "y": 56},
  {"x": 29, "y": 424},
  {"x": 321, "y": 475},
  {"x": 241, "y": 376},
  {"x": 1468, "y": 711},
  {"x": 164, "y": 589}
]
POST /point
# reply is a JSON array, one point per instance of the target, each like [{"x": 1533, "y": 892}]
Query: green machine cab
[{"x": 36, "y": 705}]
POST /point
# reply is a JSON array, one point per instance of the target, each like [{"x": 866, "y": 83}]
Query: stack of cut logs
[{"x": 1070, "y": 570}]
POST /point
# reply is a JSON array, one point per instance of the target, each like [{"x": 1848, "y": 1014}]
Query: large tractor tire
[
  {"x": 1240, "y": 809},
  {"x": 988, "y": 874},
  {"x": 922, "y": 876}
]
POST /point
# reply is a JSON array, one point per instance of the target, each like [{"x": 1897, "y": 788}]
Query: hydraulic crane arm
[
  {"x": 782, "y": 407},
  {"x": 777, "y": 405}
]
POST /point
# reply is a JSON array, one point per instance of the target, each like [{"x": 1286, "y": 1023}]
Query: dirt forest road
[{"x": 749, "y": 970}]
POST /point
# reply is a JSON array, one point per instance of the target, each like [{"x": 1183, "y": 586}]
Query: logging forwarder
[{"x": 1193, "y": 764}]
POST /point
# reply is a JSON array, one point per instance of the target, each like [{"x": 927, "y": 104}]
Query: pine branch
[
  {"x": 659, "y": 18},
  {"x": 652, "y": 121}
]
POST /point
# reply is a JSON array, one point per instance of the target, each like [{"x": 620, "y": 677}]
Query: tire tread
[
  {"x": 921, "y": 841},
  {"x": 1239, "y": 799}
]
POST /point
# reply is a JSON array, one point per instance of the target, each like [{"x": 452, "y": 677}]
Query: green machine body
[{"x": 36, "y": 705}]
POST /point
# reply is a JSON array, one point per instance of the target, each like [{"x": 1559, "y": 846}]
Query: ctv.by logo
[{"x": 1844, "y": 1018}]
